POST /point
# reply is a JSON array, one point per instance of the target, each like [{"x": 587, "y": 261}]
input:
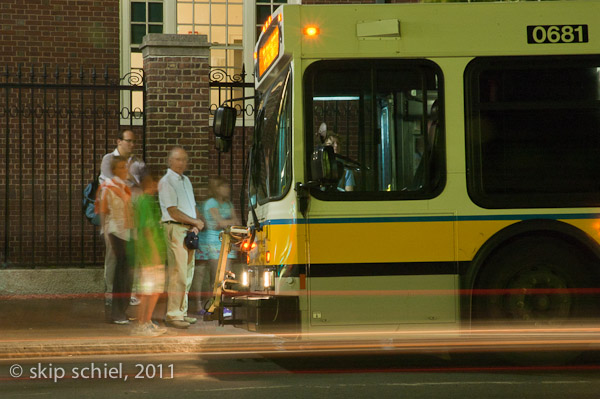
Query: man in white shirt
[
  {"x": 125, "y": 146},
  {"x": 179, "y": 215}
]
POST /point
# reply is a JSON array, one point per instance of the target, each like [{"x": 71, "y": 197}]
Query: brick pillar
[{"x": 177, "y": 101}]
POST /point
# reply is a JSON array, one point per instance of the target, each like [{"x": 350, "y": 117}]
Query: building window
[
  {"x": 146, "y": 17},
  {"x": 222, "y": 22}
]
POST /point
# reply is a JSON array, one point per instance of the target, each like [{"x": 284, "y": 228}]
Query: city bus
[{"x": 421, "y": 165}]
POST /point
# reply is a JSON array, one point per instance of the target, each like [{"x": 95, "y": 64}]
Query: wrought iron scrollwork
[
  {"x": 231, "y": 89},
  {"x": 134, "y": 78},
  {"x": 220, "y": 75}
]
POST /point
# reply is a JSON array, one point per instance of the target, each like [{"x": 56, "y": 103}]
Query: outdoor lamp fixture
[{"x": 223, "y": 127}]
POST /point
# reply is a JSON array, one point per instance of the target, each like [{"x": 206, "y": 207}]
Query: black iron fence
[{"x": 55, "y": 126}]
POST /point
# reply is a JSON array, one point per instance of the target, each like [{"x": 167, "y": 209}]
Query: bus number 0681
[{"x": 557, "y": 34}]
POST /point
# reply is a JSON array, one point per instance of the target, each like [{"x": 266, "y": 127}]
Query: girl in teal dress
[{"x": 218, "y": 213}]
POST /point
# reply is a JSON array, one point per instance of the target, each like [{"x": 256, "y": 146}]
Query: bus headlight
[{"x": 269, "y": 279}]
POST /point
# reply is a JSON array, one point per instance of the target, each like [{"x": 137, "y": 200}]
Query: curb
[{"x": 137, "y": 345}]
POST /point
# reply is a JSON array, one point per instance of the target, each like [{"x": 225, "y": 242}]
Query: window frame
[{"x": 373, "y": 64}]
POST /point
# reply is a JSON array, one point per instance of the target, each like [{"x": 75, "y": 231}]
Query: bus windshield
[{"x": 271, "y": 168}]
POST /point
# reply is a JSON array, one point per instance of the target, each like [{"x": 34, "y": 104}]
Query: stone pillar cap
[{"x": 159, "y": 44}]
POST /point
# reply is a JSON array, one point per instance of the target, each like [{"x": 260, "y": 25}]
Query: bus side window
[
  {"x": 379, "y": 111},
  {"x": 532, "y": 131}
]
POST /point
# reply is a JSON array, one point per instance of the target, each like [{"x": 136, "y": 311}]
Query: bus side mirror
[
  {"x": 324, "y": 167},
  {"x": 223, "y": 127}
]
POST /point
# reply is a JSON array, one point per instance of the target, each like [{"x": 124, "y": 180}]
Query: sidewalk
[{"x": 51, "y": 326}]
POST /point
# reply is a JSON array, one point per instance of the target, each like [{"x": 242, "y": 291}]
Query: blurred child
[{"x": 150, "y": 250}]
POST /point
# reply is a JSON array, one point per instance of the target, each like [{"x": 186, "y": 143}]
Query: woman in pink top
[{"x": 117, "y": 221}]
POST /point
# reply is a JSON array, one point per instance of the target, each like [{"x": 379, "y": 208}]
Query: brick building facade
[{"x": 60, "y": 32}]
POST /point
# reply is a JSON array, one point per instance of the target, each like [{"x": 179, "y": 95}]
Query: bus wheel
[{"x": 533, "y": 282}]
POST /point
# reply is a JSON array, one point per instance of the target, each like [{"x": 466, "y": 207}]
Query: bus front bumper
[{"x": 264, "y": 314}]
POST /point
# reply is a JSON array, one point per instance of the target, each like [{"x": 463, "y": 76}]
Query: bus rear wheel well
[{"x": 529, "y": 257}]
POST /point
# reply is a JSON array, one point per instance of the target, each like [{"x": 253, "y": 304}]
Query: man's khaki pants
[{"x": 180, "y": 271}]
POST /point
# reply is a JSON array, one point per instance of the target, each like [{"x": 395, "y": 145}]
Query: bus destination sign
[{"x": 268, "y": 51}]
